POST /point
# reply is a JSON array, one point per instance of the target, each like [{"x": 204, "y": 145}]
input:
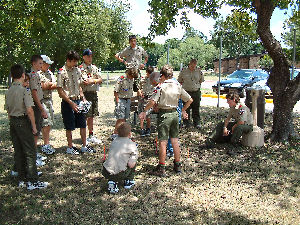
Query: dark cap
[{"x": 87, "y": 52}]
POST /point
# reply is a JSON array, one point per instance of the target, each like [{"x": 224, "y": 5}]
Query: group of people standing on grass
[{"x": 30, "y": 111}]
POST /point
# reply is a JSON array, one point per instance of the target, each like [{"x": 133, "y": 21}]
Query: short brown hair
[
  {"x": 16, "y": 71},
  {"x": 124, "y": 129},
  {"x": 150, "y": 69},
  {"x": 72, "y": 55},
  {"x": 233, "y": 96},
  {"x": 167, "y": 71},
  {"x": 132, "y": 72},
  {"x": 193, "y": 61},
  {"x": 35, "y": 58}
]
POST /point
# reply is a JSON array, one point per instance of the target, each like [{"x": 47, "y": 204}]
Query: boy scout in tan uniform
[
  {"x": 48, "y": 84},
  {"x": 91, "y": 80},
  {"x": 191, "y": 79},
  {"x": 123, "y": 92},
  {"x": 19, "y": 103},
  {"x": 232, "y": 131},
  {"x": 166, "y": 96},
  {"x": 69, "y": 89},
  {"x": 145, "y": 91},
  {"x": 37, "y": 93}
]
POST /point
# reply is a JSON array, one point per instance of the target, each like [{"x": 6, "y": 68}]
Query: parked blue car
[{"x": 239, "y": 80}]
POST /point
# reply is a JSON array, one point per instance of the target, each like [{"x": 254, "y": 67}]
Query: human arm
[
  {"x": 66, "y": 98},
  {"x": 185, "y": 107},
  {"x": 30, "y": 114},
  {"x": 133, "y": 156},
  {"x": 150, "y": 104},
  {"x": 38, "y": 103},
  {"x": 238, "y": 123},
  {"x": 116, "y": 94}
]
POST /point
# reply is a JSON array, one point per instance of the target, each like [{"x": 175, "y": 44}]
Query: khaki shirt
[
  {"x": 47, "y": 77},
  {"x": 167, "y": 94},
  {"x": 146, "y": 86},
  {"x": 133, "y": 56},
  {"x": 35, "y": 82},
  {"x": 18, "y": 99},
  {"x": 121, "y": 152},
  {"x": 191, "y": 80},
  {"x": 69, "y": 80},
  {"x": 124, "y": 87},
  {"x": 240, "y": 113},
  {"x": 89, "y": 72}
]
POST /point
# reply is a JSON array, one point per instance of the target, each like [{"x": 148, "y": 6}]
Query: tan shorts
[{"x": 48, "y": 106}]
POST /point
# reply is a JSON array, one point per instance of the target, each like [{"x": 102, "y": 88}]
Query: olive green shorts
[
  {"x": 167, "y": 124},
  {"x": 92, "y": 96}
]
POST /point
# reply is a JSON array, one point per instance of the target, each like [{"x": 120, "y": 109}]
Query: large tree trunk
[{"x": 286, "y": 92}]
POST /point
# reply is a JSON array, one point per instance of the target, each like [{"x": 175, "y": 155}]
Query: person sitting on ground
[
  {"x": 231, "y": 131},
  {"x": 166, "y": 95},
  {"x": 121, "y": 160},
  {"x": 123, "y": 92},
  {"x": 145, "y": 91}
]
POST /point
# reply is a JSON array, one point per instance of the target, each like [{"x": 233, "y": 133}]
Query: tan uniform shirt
[
  {"x": 47, "y": 77},
  {"x": 167, "y": 94},
  {"x": 121, "y": 152},
  {"x": 124, "y": 87},
  {"x": 146, "y": 86},
  {"x": 35, "y": 82},
  {"x": 241, "y": 113},
  {"x": 69, "y": 80},
  {"x": 18, "y": 99},
  {"x": 133, "y": 56},
  {"x": 191, "y": 80},
  {"x": 89, "y": 72}
]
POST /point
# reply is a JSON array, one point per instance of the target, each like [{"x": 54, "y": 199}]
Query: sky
[{"x": 140, "y": 20}]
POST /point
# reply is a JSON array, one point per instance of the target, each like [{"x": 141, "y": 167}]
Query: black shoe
[
  {"x": 159, "y": 171},
  {"x": 197, "y": 126},
  {"x": 148, "y": 132},
  {"x": 177, "y": 167}
]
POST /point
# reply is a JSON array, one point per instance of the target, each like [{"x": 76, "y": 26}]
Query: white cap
[{"x": 46, "y": 59}]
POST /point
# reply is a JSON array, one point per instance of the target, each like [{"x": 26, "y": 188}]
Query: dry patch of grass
[{"x": 256, "y": 186}]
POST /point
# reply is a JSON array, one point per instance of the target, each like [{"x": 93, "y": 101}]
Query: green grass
[{"x": 255, "y": 186}]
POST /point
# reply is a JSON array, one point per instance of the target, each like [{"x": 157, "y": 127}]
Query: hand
[
  {"x": 44, "y": 114},
  {"x": 74, "y": 106},
  {"x": 142, "y": 115},
  {"x": 34, "y": 131},
  {"x": 225, "y": 132},
  {"x": 185, "y": 115},
  {"x": 142, "y": 66},
  {"x": 88, "y": 81}
]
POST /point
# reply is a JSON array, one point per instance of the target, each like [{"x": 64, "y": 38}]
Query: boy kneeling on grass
[{"x": 121, "y": 161}]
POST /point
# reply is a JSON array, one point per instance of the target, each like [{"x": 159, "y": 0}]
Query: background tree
[{"x": 286, "y": 92}]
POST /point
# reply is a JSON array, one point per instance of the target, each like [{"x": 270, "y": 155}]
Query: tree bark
[{"x": 286, "y": 92}]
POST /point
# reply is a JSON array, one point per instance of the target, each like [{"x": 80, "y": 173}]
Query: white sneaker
[
  {"x": 40, "y": 163},
  {"x": 113, "y": 136},
  {"x": 72, "y": 151},
  {"x": 87, "y": 149},
  {"x": 40, "y": 157},
  {"x": 36, "y": 185},
  {"x": 22, "y": 184},
  {"x": 113, "y": 187},
  {"x": 93, "y": 139},
  {"x": 47, "y": 149}
]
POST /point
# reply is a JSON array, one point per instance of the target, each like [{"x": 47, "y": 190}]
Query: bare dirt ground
[{"x": 255, "y": 186}]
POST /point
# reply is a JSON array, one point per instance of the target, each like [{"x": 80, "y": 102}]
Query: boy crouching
[{"x": 121, "y": 161}]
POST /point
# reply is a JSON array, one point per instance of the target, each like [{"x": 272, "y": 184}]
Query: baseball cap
[
  {"x": 47, "y": 60},
  {"x": 87, "y": 52}
]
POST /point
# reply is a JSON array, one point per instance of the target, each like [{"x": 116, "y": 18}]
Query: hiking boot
[
  {"x": 129, "y": 184},
  {"x": 143, "y": 132},
  {"x": 47, "y": 149},
  {"x": 112, "y": 187},
  {"x": 148, "y": 132},
  {"x": 177, "y": 167},
  {"x": 159, "y": 171},
  {"x": 36, "y": 185},
  {"x": 72, "y": 151},
  {"x": 40, "y": 157},
  {"x": 93, "y": 139},
  {"x": 88, "y": 149}
]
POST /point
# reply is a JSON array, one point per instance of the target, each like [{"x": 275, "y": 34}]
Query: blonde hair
[
  {"x": 124, "y": 129},
  {"x": 132, "y": 72}
]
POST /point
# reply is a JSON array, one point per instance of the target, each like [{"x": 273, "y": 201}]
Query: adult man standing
[
  {"x": 132, "y": 56},
  {"x": 191, "y": 79},
  {"x": 91, "y": 81}
]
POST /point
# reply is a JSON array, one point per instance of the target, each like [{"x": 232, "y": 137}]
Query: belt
[
  {"x": 167, "y": 110},
  {"x": 125, "y": 98},
  {"x": 19, "y": 117},
  {"x": 194, "y": 91},
  {"x": 74, "y": 98}
]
